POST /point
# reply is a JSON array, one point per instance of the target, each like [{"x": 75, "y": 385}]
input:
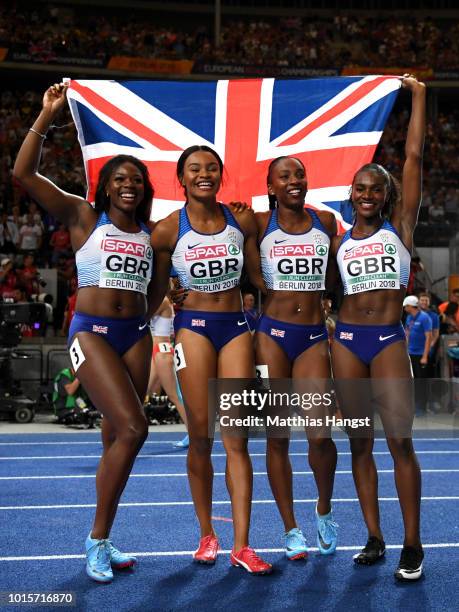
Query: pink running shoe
[
  {"x": 207, "y": 550},
  {"x": 249, "y": 560}
]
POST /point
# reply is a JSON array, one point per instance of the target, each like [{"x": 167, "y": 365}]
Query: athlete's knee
[
  {"x": 135, "y": 432},
  {"x": 235, "y": 445},
  {"x": 322, "y": 446},
  {"x": 401, "y": 448},
  {"x": 277, "y": 445},
  {"x": 200, "y": 445},
  {"x": 361, "y": 447}
]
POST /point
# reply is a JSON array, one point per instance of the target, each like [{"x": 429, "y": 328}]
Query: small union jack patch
[
  {"x": 346, "y": 335},
  {"x": 100, "y": 329},
  {"x": 279, "y": 333},
  {"x": 198, "y": 322}
]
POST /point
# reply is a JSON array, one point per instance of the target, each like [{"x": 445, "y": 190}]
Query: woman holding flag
[
  {"x": 374, "y": 262},
  {"x": 109, "y": 337}
]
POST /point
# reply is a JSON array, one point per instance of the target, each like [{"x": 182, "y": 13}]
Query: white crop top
[
  {"x": 209, "y": 262},
  {"x": 113, "y": 259},
  {"x": 380, "y": 261},
  {"x": 294, "y": 262}
]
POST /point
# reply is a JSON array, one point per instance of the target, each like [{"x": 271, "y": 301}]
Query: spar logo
[
  {"x": 375, "y": 248},
  {"x": 390, "y": 248},
  {"x": 210, "y": 251},
  {"x": 293, "y": 250},
  {"x": 233, "y": 249},
  {"x": 125, "y": 247}
]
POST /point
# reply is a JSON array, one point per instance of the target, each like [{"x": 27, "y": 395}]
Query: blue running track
[{"x": 47, "y": 501}]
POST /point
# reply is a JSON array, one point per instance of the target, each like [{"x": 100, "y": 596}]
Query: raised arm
[
  {"x": 62, "y": 205},
  {"x": 412, "y": 169}
]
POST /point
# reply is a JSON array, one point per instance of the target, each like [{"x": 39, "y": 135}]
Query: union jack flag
[{"x": 332, "y": 124}]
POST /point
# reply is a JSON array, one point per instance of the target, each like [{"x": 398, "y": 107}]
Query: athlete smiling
[
  {"x": 109, "y": 338},
  {"x": 208, "y": 248},
  {"x": 374, "y": 261},
  {"x": 291, "y": 339}
]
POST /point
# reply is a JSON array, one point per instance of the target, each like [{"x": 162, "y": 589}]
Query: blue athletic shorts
[
  {"x": 367, "y": 341},
  {"x": 294, "y": 339},
  {"x": 218, "y": 327},
  {"x": 121, "y": 334}
]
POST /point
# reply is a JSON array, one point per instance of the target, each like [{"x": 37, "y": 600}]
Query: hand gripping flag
[{"x": 332, "y": 124}]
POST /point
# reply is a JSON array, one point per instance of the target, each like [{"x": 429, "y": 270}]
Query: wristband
[{"x": 38, "y": 133}]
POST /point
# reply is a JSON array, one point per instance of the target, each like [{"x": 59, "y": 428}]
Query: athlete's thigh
[
  {"x": 138, "y": 363},
  {"x": 311, "y": 378},
  {"x": 351, "y": 381},
  {"x": 313, "y": 363},
  {"x": 393, "y": 391},
  {"x": 236, "y": 359},
  {"x": 269, "y": 353},
  {"x": 106, "y": 379},
  {"x": 196, "y": 363}
]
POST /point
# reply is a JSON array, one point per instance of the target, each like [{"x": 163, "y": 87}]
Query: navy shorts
[
  {"x": 294, "y": 339},
  {"x": 121, "y": 334},
  {"x": 218, "y": 327},
  {"x": 367, "y": 341}
]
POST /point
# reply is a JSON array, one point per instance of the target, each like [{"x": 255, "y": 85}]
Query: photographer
[{"x": 69, "y": 397}]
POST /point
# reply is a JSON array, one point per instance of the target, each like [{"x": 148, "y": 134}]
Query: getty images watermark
[
  {"x": 276, "y": 407},
  {"x": 273, "y": 405}
]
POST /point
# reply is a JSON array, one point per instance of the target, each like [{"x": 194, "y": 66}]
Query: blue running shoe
[
  {"x": 327, "y": 533},
  {"x": 185, "y": 443},
  {"x": 119, "y": 560},
  {"x": 98, "y": 560},
  {"x": 295, "y": 545}
]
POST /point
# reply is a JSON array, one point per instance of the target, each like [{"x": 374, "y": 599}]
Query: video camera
[
  {"x": 14, "y": 315},
  {"x": 13, "y": 402}
]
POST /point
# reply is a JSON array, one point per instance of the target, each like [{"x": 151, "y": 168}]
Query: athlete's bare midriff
[
  {"x": 113, "y": 303},
  {"x": 221, "y": 301},
  {"x": 297, "y": 307},
  {"x": 380, "y": 307}
]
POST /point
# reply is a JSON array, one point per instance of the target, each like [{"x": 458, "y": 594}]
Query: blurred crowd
[
  {"x": 438, "y": 216},
  {"x": 48, "y": 31}
]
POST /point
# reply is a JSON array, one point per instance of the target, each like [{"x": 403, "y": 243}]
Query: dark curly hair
[
  {"x": 102, "y": 201},
  {"x": 272, "y": 199},
  {"x": 186, "y": 154},
  {"x": 394, "y": 192}
]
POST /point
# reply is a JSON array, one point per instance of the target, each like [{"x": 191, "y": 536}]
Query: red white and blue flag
[{"x": 332, "y": 124}]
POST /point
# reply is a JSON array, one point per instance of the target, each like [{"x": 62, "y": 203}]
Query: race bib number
[
  {"x": 125, "y": 264},
  {"x": 215, "y": 267},
  {"x": 299, "y": 267},
  {"x": 76, "y": 354},
  {"x": 179, "y": 357},
  {"x": 372, "y": 266}
]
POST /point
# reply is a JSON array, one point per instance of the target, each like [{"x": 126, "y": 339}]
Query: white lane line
[
  {"x": 296, "y": 440},
  {"x": 175, "y": 455},
  {"x": 184, "y": 474},
  {"x": 344, "y": 500},
  {"x": 186, "y": 553}
]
